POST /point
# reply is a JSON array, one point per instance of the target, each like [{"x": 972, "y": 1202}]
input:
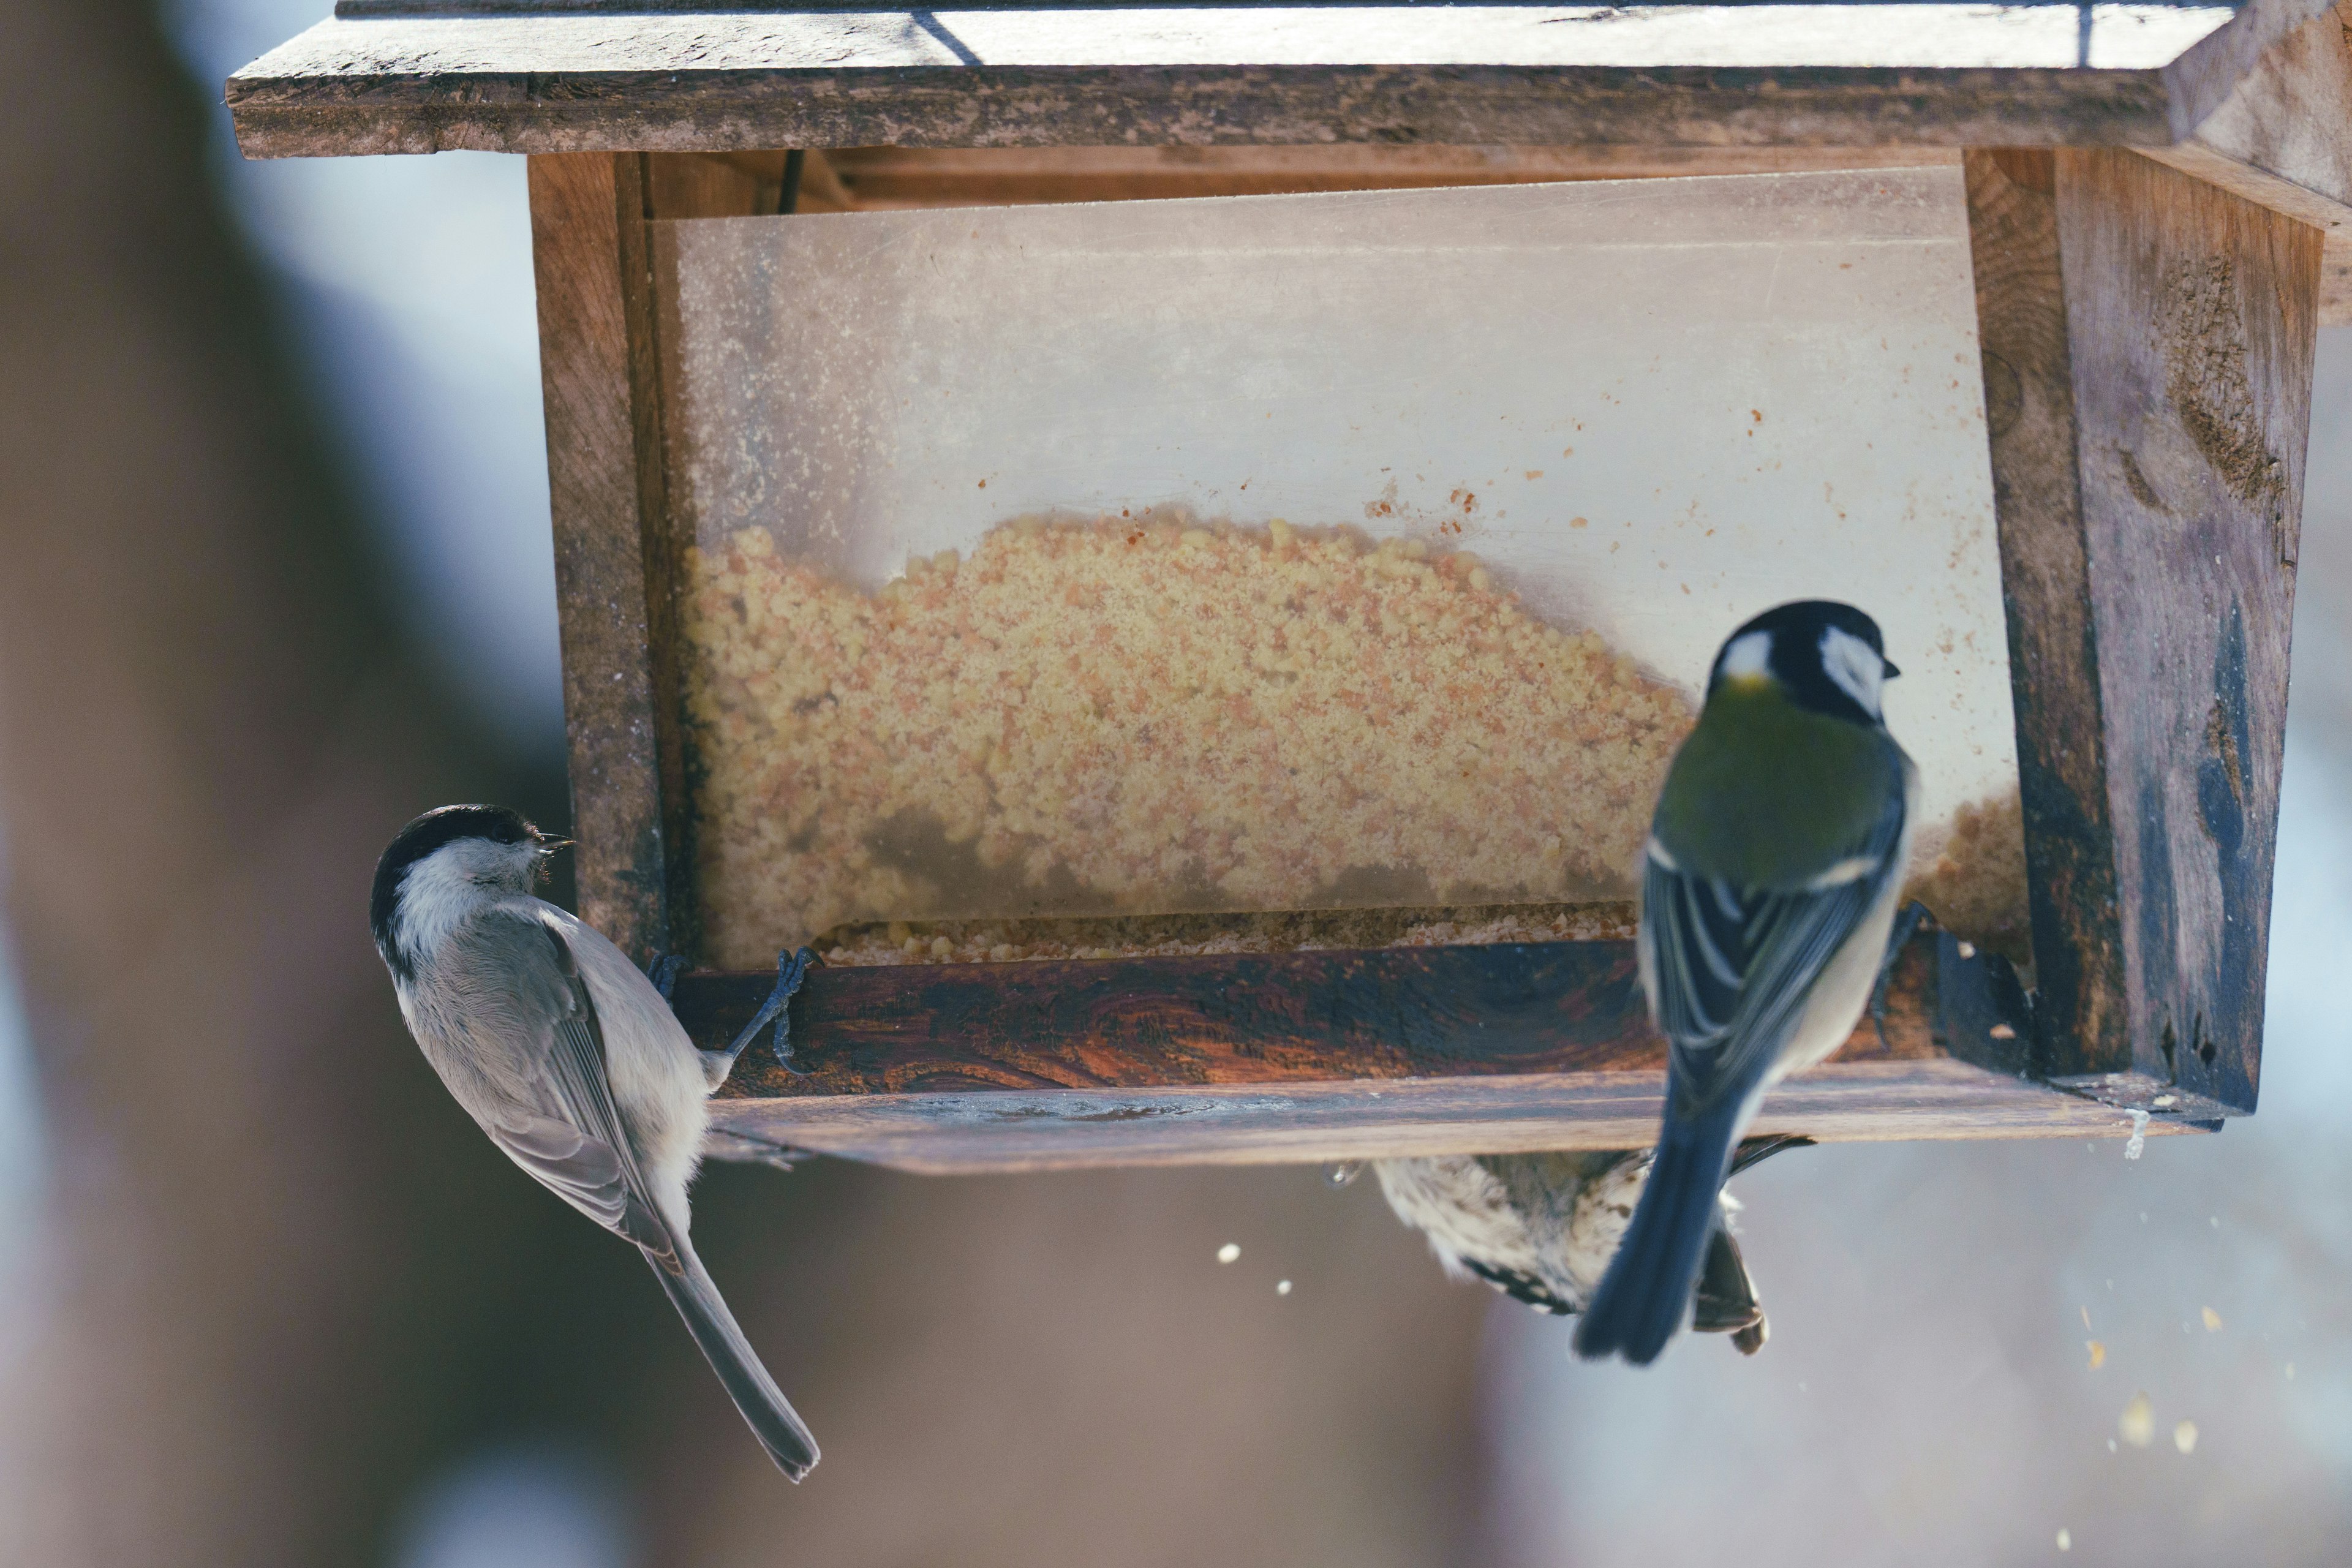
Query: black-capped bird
[
  {"x": 1768, "y": 891},
  {"x": 569, "y": 1058}
]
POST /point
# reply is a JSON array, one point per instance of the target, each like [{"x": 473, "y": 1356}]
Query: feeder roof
[{"x": 540, "y": 75}]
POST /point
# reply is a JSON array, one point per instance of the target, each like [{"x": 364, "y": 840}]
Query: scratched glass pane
[{"x": 1306, "y": 553}]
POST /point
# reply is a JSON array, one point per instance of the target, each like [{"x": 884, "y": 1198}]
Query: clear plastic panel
[{"x": 1305, "y": 551}]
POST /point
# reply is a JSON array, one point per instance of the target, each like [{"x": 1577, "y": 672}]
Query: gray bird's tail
[
  {"x": 1647, "y": 1290},
  {"x": 774, "y": 1421}
]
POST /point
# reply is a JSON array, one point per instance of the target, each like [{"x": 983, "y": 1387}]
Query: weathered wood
[
  {"x": 2147, "y": 342},
  {"x": 2082, "y": 1024},
  {"x": 1319, "y": 1055},
  {"x": 614, "y": 558},
  {"x": 2282, "y": 139},
  {"x": 604, "y": 489},
  {"x": 2191, "y": 317},
  {"x": 1839, "y": 75},
  {"x": 887, "y": 178},
  {"x": 1044, "y": 1129},
  {"x": 2290, "y": 113}
]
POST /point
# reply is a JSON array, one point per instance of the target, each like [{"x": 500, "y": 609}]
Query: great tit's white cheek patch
[
  {"x": 1748, "y": 657},
  {"x": 1859, "y": 669}
]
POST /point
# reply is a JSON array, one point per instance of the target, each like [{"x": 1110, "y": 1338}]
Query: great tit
[
  {"x": 1541, "y": 1228},
  {"x": 569, "y": 1058},
  {"x": 1769, "y": 891}
]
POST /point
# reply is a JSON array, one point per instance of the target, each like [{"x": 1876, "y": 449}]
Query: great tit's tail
[
  {"x": 1646, "y": 1292},
  {"x": 774, "y": 1421}
]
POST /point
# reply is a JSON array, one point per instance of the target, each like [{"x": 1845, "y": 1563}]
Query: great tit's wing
[
  {"x": 573, "y": 1143},
  {"x": 1731, "y": 966}
]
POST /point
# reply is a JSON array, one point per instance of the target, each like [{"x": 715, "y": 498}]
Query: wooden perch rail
[{"x": 1250, "y": 1058}]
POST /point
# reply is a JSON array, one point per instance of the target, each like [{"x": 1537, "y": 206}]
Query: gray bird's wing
[
  {"x": 582, "y": 1152},
  {"x": 1732, "y": 967}
]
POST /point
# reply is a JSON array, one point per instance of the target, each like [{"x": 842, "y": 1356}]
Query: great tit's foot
[
  {"x": 1907, "y": 922},
  {"x": 791, "y": 968},
  {"x": 664, "y": 970}
]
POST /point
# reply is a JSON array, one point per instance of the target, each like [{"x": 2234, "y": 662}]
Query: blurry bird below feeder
[{"x": 1541, "y": 1228}]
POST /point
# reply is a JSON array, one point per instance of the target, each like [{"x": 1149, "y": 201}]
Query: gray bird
[
  {"x": 569, "y": 1058},
  {"x": 1542, "y": 1228}
]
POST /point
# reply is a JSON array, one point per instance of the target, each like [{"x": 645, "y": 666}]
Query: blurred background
[{"x": 278, "y": 576}]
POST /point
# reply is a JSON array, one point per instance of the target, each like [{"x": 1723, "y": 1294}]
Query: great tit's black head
[
  {"x": 1822, "y": 655},
  {"x": 488, "y": 848}
]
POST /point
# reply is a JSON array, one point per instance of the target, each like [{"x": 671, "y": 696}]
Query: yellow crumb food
[
  {"x": 1112, "y": 717},
  {"x": 1975, "y": 883}
]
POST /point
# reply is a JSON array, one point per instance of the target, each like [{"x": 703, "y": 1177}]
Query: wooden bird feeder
[{"x": 1194, "y": 666}]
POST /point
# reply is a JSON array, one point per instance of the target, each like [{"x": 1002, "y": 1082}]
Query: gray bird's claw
[
  {"x": 1907, "y": 924},
  {"x": 664, "y": 971},
  {"x": 790, "y": 967}
]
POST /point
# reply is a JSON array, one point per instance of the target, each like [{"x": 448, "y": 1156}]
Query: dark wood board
[
  {"x": 1318, "y": 1055},
  {"x": 1845, "y": 74},
  {"x": 2193, "y": 316},
  {"x": 2053, "y": 648},
  {"x": 2147, "y": 340},
  {"x": 614, "y": 558}
]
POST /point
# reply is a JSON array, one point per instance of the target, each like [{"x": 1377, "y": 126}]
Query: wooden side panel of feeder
[
  {"x": 614, "y": 557},
  {"x": 2283, "y": 139},
  {"x": 2148, "y": 343}
]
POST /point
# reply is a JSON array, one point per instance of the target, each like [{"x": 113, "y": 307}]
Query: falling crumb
[
  {"x": 2214, "y": 1220},
  {"x": 2086, "y": 1317},
  {"x": 2065, "y": 1540},
  {"x": 1967, "y": 950},
  {"x": 2111, "y": 1444},
  {"x": 2136, "y": 1142},
  {"x": 1281, "y": 1288},
  {"x": 1228, "y": 1253},
  {"x": 2098, "y": 1354},
  {"x": 2184, "y": 1436},
  {"x": 2290, "y": 1372},
  {"x": 2001, "y": 1032},
  {"x": 2136, "y": 1424},
  {"x": 2212, "y": 1321}
]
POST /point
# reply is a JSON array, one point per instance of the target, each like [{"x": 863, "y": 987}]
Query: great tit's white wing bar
[
  {"x": 1732, "y": 967},
  {"x": 581, "y": 1152}
]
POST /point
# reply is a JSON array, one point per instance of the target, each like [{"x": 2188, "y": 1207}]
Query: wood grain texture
[
  {"x": 1039, "y": 1130},
  {"x": 2290, "y": 114},
  {"x": 888, "y": 178},
  {"x": 2282, "y": 139},
  {"x": 604, "y": 492},
  {"x": 1841, "y": 75},
  {"x": 2333, "y": 219},
  {"x": 2082, "y": 1024},
  {"x": 1227, "y": 1019},
  {"x": 1319, "y": 1055},
  {"x": 614, "y": 558},
  {"x": 2192, "y": 316}
]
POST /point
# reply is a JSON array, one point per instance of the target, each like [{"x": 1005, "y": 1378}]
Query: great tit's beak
[
  {"x": 548, "y": 843},
  {"x": 1891, "y": 671}
]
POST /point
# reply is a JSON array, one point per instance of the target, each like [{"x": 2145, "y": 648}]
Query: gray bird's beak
[
  {"x": 548, "y": 843},
  {"x": 1891, "y": 671}
]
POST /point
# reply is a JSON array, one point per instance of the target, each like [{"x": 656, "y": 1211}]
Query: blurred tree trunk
[
  {"x": 209, "y": 726},
  {"x": 283, "y": 1281}
]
